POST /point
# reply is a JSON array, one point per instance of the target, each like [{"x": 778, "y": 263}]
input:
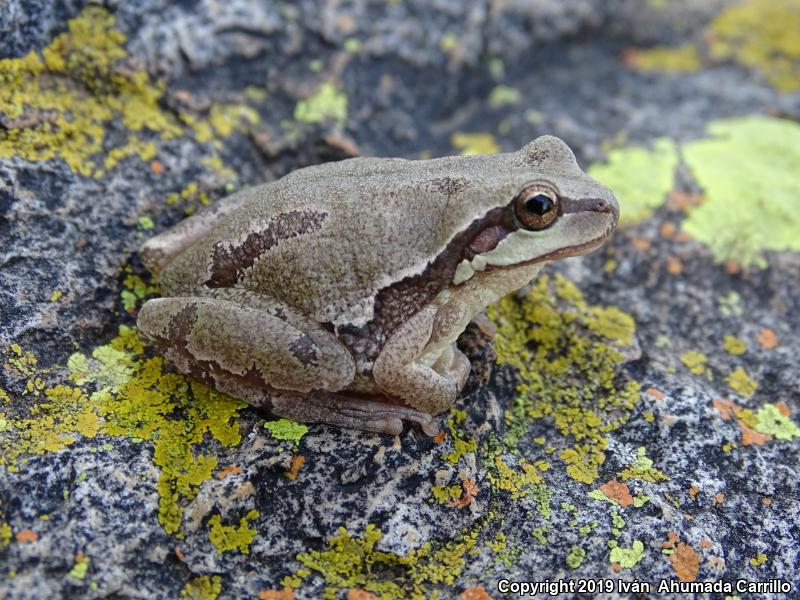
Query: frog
[{"x": 336, "y": 294}]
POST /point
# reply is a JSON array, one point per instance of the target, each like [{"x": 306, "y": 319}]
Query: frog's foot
[{"x": 354, "y": 413}]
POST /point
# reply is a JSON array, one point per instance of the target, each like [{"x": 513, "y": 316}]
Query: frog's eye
[{"x": 536, "y": 206}]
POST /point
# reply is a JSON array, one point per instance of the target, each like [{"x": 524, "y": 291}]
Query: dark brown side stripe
[{"x": 228, "y": 262}]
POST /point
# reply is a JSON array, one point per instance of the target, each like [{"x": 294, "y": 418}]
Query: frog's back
[{"x": 327, "y": 238}]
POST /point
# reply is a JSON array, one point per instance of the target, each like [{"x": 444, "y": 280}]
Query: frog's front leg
[
  {"x": 268, "y": 355},
  {"x": 425, "y": 377}
]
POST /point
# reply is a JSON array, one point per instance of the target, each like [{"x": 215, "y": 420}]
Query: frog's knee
[{"x": 162, "y": 320}]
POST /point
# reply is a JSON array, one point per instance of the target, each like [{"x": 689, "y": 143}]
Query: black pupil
[{"x": 539, "y": 204}]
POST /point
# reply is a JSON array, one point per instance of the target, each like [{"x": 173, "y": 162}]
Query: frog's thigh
[
  {"x": 224, "y": 338},
  {"x": 429, "y": 389}
]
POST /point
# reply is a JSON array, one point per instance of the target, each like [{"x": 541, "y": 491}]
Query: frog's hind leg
[
  {"x": 263, "y": 346},
  {"x": 268, "y": 355}
]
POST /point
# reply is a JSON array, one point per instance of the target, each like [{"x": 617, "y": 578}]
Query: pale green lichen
[
  {"x": 354, "y": 562},
  {"x": 730, "y": 305},
  {"x": 642, "y": 469},
  {"x": 741, "y": 154},
  {"x": 575, "y": 557},
  {"x": 284, "y": 429},
  {"x": 326, "y": 104},
  {"x": 770, "y": 421},
  {"x": 640, "y": 177},
  {"x": 229, "y": 537},
  {"x": 567, "y": 367},
  {"x": 627, "y": 557},
  {"x": 80, "y": 568}
]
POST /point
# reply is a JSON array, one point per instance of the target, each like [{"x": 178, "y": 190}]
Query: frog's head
[{"x": 547, "y": 208}]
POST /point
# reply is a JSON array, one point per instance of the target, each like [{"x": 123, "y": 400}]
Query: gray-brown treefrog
[{"x": 336, "y": 293}]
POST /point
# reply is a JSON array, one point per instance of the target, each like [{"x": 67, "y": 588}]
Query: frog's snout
[
  {"x": 605, "y": 203},
  {"x": 608, "y": 205}
]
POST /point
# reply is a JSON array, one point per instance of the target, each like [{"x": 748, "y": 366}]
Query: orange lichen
[
  {"x": 26, "y": 536},
  {"x": 655, "y": 393},
  {"x": 719, "y": 498},
  {"x": 693, "y": 492},
  {"x": 751, "y": 436},
  {"x": 767, "y": 339},
  {"x": 674, "y": 266},
  {"x": 470, "y": 491},
  {"x": 297, "y": 463},
  {"x": 685, "y": 559},
  {"x": 726, "y": 408},
  {"x": 358, "y": 594},
  {"x": 286, "y": 593},
  {"x": 474, "y": 593},
  {"x": 440, "y": 437},
  {"x": 667, "y": 230},
  {"x": 617, "y": 491},
  {"x": 229, "y": 470}
]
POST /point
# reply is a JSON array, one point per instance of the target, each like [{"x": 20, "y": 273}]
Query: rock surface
[{"x": 635, "y": 416}]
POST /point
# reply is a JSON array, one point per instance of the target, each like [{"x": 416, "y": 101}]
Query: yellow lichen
[
  {"x": 734, "y": 345},
  {"x": 326, "y": 104},
  {"x": 680, "y": 59},
  {"x": 565, "y": 352},
  {"x": 474, "y": 143},
  {"x": 741, "y": 382},
  {"x": 229, "y": 537},
  {"x": 5, "y": 534},
  {"x": 61, "y": 101},
  {"x": 518, "y": 483},
  {"x": 207, "y": 587},
  {"x": 696, "y": 362},
  {"x": 120, "y": 393},
  {"x": 65, "y": 100},
  {"x": 761, "y": 35},
  {"x": 354, "y": 563}
]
